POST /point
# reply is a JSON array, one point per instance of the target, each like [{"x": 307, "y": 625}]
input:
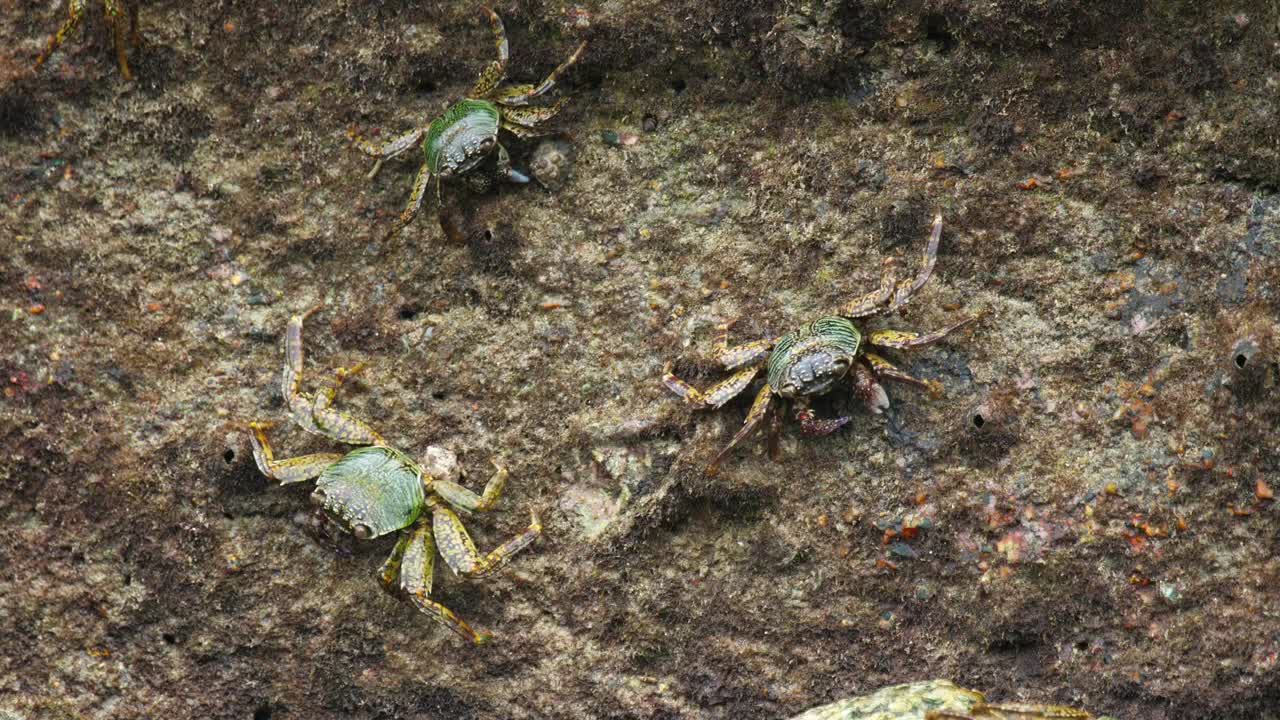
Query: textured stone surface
[{"x": 1107, "y": 172}]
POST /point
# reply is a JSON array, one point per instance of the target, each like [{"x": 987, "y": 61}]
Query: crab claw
[
  {"x": 516, "y": 177},
  {"x": 811, "y": 424}
]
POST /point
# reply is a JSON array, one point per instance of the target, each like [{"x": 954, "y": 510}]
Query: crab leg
[
  {"x": 313, "y": 414},
  {"x": 903, "y": 292},
  {"x": 714, "y": 396},
  {"x": 522, "y": 94},
  {"x": 459, "y": 552},
  {"x": 115, "y": 18},
  {"x": 75, "y": 14},
  {"x": 732, "y": 358},
  {"x": 883, "y": 368},
  {"x": 336, "y": 424},
  {"x": 874, "y": 302},
  {"x": 529, "y": 117},
  {"x": 902, "y": 339},
  {"x": 291, "y": 470},
  {"x": 415, "y": 201},
  {"x": 759, "y": 409},
  {"x": 387, "y": 150},
  {"x": 496, "y": 70},
  {"x": 461, "y": 497},
  {"x": 413, "y": 560}
]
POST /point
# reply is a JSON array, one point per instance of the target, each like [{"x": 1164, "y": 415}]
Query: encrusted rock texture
[{"x": 1107, "y": 539}]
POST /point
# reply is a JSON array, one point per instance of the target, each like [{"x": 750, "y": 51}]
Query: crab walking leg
[
  {"x": 875, "y": 301},
  {"x": 732, "y": 358},
  {"x": 714, "y": 396},
  {"x": 387, "y": 150},
  {"x": 335, "y": 424},
  {"x": 529, "y": 117},
  {"x": 902, "y": 339},
  {"x": 883, "y": 368},
  {"x": 415, "y": 201},
  {"x": 522, "y": 94},
  {"x": 115, "y": 18},
  {"x": 496, "y": 70},
  {"x": 775, "y": 435},
  {"x": 461, "y": 497},
  {"x": 758, "y": 412},
  {"x": 520, "y": 131},
  {"x": 417, "y": 563},
  {"x": 390, "y": 570},
  {"x": 869, "y": 389},
  {"x": 291, "y": 375},
  {"x": 290, "y": 470},
  {"x": 459, "y": 552},
  {"x": 904, "y": 291},
  {"x": 75, "y": 14}
]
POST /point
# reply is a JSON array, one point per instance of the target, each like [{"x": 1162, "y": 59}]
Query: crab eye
[{"x": 362, "y": 532}]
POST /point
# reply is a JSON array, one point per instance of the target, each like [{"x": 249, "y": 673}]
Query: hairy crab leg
[
  {"x": 415, "y": 201},
  {"x": 460, "y": 553},
  {"x": 460, "y": 497},
  {"x": 495, "y": 71},
  {"x": 732, "y": 358},
  {"x": 875, "y": 301},
  {"x": 883, "y": 368},
  {"x": 385, "y": 151},
  {"x": 714, "y": 396},
  {"x": 905, "y": 290},
  {"x": 75, "y": 14},
  {"x": 522, "y": 94},
  {"x": 903, "y": 339},
  {"x": 290, "y": 470},
  {"x": 757, "y": 414},
  {"x": 414, "y": 566}
]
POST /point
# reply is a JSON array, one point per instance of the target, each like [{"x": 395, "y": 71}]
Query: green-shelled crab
[
  {"x": 375, "y": 489},
  {"x": 463, "y": 142},
  {"x": 813, "y": 359}
]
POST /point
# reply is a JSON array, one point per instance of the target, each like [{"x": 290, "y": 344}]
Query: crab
[
  {"x": 463, "y": 141},
  {"x": 815, "y": 358},
  {"x": 935, "y": 700},
  {"x": 376, "y": 489},
  {"x": 115, "y": 12}
]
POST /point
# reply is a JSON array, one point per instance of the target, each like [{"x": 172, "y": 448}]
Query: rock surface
[{"x": 1107, "y": 539}]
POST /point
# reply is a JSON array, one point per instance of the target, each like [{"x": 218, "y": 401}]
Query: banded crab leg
[
  {"x": 415, "y": 200},
  {"x": 411, "y": 566},
  {"x": 288, "y": 470},
  {"x": 385, "y": 151},
  {"x": 495, "y": 71},
  {"x": 903, "y": 339},
  {"x": 313, "y": 413},
  {"x": 758, "y": 413},
  {"x": 521, "y": 94},
  {"x": 883, "y": 368},
  {"x": 904, "y": 290},
  {"x": 458, "y": 550}
]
